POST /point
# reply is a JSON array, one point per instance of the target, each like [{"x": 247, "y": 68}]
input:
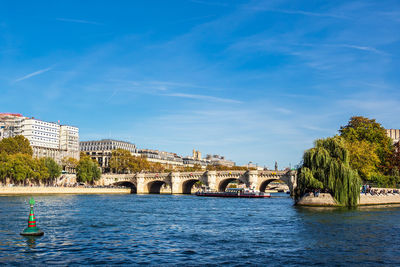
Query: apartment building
[
  {"x": 47, "y": 139},
  {"x": 163, "y": 157},
  {"x": 101, "y": 150},
  {"x": 216, "y": 160}
]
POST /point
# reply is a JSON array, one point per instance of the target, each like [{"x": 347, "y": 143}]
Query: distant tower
[
  {"x": 276, "y": 166},
  {"x": 196, "y": 154}
]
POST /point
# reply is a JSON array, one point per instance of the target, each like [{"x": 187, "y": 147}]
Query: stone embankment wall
[
  {"x": 325, "y": 199},
  {"x": 25, "y": 190}
]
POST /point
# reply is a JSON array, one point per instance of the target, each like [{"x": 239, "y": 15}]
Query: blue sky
[{"x": 252, "y": 80}]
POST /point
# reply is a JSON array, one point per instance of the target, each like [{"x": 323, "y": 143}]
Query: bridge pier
[
  {"x": 292, "y": 182},
  {"x": 212, "y": 180},
  {"x": 253, "y": 179},
  {"x": 141, "y": 185},
  {"x": 176, "y": 183}
]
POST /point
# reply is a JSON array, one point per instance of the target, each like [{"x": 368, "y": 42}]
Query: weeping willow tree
[{"x": 326, "y": 166}]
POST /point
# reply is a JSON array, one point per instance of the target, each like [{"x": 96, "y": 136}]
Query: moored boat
[{"x": 234, "y": 192}]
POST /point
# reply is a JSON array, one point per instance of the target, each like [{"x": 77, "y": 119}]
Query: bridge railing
[
  {"x": 278, "y": 173},
  {"x": 231, "y": 172},
  {"x": 119, "y": 176},
  {"x": 192, "y": 173},
  {"x": 157, "y": 175}
]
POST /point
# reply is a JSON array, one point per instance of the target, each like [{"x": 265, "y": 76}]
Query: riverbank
[
  {"x": 326, "y": 200},
  {"x": 27, "y": 190}
]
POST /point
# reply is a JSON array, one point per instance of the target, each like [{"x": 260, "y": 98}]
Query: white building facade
[
  {"x": 163, "y": 157},
  {"x": 47, "y": 139},
  {"x": 69, "y": 141},
  {"x": 217, "y": 160},
  {"x": 101, "y": 150},
  {"x": 394, "y": 134},
  {"x": 44, "y": 138},
  {"x": 10, "y": 124}
]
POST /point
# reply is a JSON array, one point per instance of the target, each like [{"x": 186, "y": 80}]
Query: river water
[{"x": 188, "y": 230}]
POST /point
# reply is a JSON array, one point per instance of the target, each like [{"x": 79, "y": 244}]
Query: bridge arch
[
  {"x": 154, "y": 187},
  {"x": 131, "y": 185},
  {"x": 224, "y": 183},
  {"x": 187, "y": 186},
  {"x": 264, "y": 183}
]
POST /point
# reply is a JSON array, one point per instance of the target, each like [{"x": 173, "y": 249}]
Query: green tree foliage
[
  {"x": 121, "y": 160},
  {"x": 380, "y": 180},
  {"x": 53, "y": 168},
  {"x": 326, "y": 166},
  {"x": 368, "y": 130},
  {"x": 14, "y": 145},
  {"x": 392, "y": 179},
  {"x": 87, "y": 171},
  {"x": 18, "y": 166},
  {"x": 41, "y": 171},
  {"x": 195, "y": 168},
  {"x": 153, "y": 166},
  {"x": 227, "y": 168},
  {"x": 69, "y": 163},
  {"x": 22, "y": 169},
  {"x": 140, "y": 164},
  {"x": 395, "y": 159},
  {"x": 363, "y": 158},
  {"x": 4, "y": 167},
  {"x": 199, "y": 184}
]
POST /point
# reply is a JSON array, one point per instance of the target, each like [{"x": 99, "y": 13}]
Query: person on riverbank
[{"x": 316, "y": 192}]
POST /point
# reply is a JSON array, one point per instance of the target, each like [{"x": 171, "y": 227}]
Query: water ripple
[{"x": 188, "y": 230}]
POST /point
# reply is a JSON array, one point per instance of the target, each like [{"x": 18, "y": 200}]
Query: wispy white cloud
[
  {"x": 298, "y": 12},
  {"x": 362, "y": 48},
  {"x": 372, "y": 105},
  {"x": 299, "y": 96},
  {"x": 204, "y": 97},
  {"x": 380, "y": 104},
  {"x": 158, "y": 88},
  {"x": 169, "y": 85},
  {"x": 316, "y": 128},
  {"x": 30, "y": 75},
  {"x": 284, "y": 111},
  {"x": 128, "y": 88},
  {"x": 352, "y": 46},
  {"x": 78, "y": 21},
  {"x": 158, "y": 84}
]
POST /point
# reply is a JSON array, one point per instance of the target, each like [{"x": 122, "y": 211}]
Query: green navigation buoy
[{"x": 32, "y": 230}]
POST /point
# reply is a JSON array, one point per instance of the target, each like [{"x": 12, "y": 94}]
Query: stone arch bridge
[{"x": 182, "y": 182}]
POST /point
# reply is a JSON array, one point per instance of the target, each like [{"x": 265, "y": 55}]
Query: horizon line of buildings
[
  {"x": 101, "y": 150},
  {"x": 49, "y": 139}
]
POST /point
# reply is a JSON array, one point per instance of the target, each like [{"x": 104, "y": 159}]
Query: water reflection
[{"x": 31, "y": 241}]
